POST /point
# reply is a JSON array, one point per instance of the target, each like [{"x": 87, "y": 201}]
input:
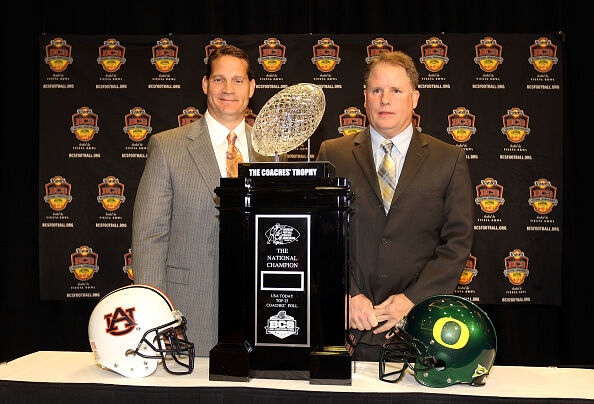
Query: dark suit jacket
[{"x": 420, "y": 247}]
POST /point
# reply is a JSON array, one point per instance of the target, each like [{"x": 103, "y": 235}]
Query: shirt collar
[
  {"x": 218, "y": 131},
  {"x": 401, "y": 141}
]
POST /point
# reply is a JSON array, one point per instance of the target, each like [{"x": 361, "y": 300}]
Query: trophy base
[
  {"x": 330, "y": 365},
  {"x": 230, "y": 363}
]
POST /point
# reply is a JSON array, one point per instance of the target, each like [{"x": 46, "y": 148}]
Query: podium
[{"x": 283, "y": 274}]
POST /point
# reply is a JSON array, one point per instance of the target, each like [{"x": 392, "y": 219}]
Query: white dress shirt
[
  {"x": 401, "y": 142},
  {"x": 218, "y": 136}
]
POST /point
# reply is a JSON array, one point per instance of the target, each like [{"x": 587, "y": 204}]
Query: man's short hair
[
  {"x": 228, "y": 50},
  {"x": 396, "y": 58}
]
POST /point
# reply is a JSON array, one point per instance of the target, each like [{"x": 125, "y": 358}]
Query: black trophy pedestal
[{"x": 283, "y": 274}]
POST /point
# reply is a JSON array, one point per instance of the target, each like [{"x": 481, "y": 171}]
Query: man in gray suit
[
  {"x": 412, "y": 221},
  {"x": 175, "y": 229}
]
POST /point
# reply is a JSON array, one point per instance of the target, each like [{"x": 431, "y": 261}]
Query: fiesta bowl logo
[
  {"x": 352, "y": 121},
  {"x": 325, "y": 55},
  {"x": 127, "y": 268},
  {"x": 488, "y": 54},
  {"x": 489, "y": 195},
  {"x": 57, "y": 193},
  {"x": 123, "y": 316},
  {"x": 434, "y": 54},
  {"x": 250, "y": 117},
  {"x": 543, "y": 196},
  {"x": 469, "y": 271},
  {"x": 543, "y": 55},
  {"x": 138, "y": 124},
  {"x": 281, "y": 325},
  {"x": 164, "y": 55},
  {"x": 377, "y": 47},
  {"x": 516, "y": 267},
  {"x": 84, "y": 124},
  {"x": 272, "y": 55},
  {"x": 84, "y": 263},
  {"x": 515, "y": 125},
  {"x": 188, "y": 115},
  {"x": 58, "y": 55},
  {"x": 280, "y": 234},
  {"x": 111, "y": 55},
  {"x": 212, "y": 46},
  {"x": 461, "y": 124},
  {"x": 111, "y": 193}
]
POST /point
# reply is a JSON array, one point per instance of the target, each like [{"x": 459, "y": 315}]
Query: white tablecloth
[{"x": 504, "y": 381}]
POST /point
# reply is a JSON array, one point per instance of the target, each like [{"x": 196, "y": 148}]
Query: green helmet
[{"x": 445, "y": 340}]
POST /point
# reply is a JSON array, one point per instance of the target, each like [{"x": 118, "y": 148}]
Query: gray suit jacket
[
  {"x": 421, "y": 246},
  {"x": 175, "y": 229}
]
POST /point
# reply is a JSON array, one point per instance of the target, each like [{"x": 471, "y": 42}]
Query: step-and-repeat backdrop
[{"x": 497, "y": 96}]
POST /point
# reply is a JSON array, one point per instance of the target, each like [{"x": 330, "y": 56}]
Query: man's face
[
  {"x": 389, "y": 99},
  {"x": 228, "y": 90}
]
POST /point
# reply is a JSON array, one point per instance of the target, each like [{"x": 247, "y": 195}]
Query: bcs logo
[
  {"x": 250, "y": 117},
  {"x": 352, "y": 121},
  {"x": 111, "y": 193},
  {"x": 212, "y": 46},
  {"x": 111, "y": 55},
  {"x": 165, "y": 55},
  {"x": 281, "y": 325},
  {"x": 280, "y": 234},
  {"x": 127, "y": 268},
  {"x": 543, "y": 55},
  {"x": 119, "y": 315},
  {"x": 515, "y": 125},
  {"x": 543, "y": 196},
  {"x": 58, "y": 55},
  {"x": 138, "y": 124},
  {"x": 516, "y": 267},
  {"x": 434, "y": 54},
  {"x": 84, "y": 124},
  {"x": 469, "y": 271},
  {"x": 325, "y": 55},
  {"x": 461, "y": 124},
  {"x": 188, "y": 115},
  {"x": 489, "y": 195},
  {"x": 84, "y": 263},
  {"x": 377, "y": 47},
  {"x": 272, "y": 55},
  {"x": 57, "y": 193},
  {"x": 416, "y": 121},
  {"x": 488, "y": 54}
]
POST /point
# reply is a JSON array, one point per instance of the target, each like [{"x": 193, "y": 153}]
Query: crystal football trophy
[
  {"x": 288, "y": 119},
  {"x": 283, "y": 255}
]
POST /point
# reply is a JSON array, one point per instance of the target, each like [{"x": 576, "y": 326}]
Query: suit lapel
[
  {"x": 200, "y": 148},
  {"x": 417, "y": 151},
  {"x": 364, "y": 157}
]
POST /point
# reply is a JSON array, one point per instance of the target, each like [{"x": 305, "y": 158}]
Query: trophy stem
[
  {"x": 308, "y": 150},
  {"x": 276, "y": 158}
]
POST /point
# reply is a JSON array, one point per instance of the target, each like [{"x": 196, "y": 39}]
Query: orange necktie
[{"x": 233, "y": 155}]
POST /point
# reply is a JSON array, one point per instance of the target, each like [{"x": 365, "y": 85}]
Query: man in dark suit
[
  {"x": 412, "y": 221},
  {"x": 175, "y": 229}
]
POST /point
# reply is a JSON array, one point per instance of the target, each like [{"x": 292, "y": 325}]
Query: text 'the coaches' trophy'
[{"x": 283, "y": 252}]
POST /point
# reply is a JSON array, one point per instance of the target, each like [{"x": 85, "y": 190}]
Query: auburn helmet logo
[{"x": 120, "y": 322}]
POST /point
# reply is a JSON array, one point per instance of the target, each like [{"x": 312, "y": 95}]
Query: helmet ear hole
[{"x": 440, "y": 365}]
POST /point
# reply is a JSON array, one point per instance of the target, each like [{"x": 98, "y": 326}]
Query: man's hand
[
  {"x": 391, "y": 311},
  {"x": 361, "y": 313}
]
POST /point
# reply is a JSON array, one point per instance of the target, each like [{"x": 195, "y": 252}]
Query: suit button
[{"x": 386, "y": 241}]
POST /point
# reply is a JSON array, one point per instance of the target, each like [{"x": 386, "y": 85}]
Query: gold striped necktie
[
  {"x": 233, "y": 155},
  {"x": 386, "y": 175}
]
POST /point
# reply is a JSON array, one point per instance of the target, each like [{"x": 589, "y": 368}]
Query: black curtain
[{"x": 533, "y": 335}]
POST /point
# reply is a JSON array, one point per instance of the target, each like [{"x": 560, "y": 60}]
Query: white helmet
[{"x": 134, "y": 328}]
